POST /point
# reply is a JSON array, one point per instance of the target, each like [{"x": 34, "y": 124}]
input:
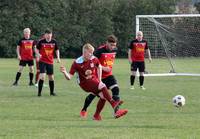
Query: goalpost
[{"x": 174, "y": 42}]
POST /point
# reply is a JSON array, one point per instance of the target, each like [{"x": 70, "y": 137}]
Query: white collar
[{"x": 81, "y": 59}]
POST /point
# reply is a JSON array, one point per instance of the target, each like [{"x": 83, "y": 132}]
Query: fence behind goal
[{"x": 174, "y": 41}]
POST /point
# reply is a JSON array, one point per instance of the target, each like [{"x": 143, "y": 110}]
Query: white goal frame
[{"x": 165, "y": 16}]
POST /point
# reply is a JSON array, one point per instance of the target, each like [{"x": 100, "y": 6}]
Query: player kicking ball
[
  {"x": 89, "y": 72},
  {"x": 106, "y": 54}
]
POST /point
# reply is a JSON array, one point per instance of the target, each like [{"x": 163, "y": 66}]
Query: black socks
[{"x": 132, "y": 79}]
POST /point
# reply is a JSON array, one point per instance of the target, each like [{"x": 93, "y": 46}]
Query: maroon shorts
[{"x": 91, "y": 86}]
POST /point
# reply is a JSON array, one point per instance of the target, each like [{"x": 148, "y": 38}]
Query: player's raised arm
[{"x": 67, "y": 75}]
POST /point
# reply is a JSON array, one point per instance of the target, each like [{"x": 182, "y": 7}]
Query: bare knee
[
  {"x": 51, "y": 77},
  {"x": 42, "y": 76},
  {"x": 101, "y": 85}
]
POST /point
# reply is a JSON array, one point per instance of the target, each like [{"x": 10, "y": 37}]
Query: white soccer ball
[{"x": 178, "y": 101}]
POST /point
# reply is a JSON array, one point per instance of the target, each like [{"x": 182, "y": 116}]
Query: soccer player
[
  {"x": 25, "y": 48},
  {"x": 89, "y": 69},
  {"x": 37, "y": 67},
  {"x": 46, "y": 48},
  {"x": 106, "y": 54},
  {"x": 136, "y": 55}
]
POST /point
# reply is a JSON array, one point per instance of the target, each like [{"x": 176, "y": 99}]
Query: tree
[{"x": 74, "y": 22}]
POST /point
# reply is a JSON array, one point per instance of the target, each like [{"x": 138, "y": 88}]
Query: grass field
[{"x": 151, "y": 114}]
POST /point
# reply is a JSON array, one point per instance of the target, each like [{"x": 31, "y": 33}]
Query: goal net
[{"x": 174, "y": 42}]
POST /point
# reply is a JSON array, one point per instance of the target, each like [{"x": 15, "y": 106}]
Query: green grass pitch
[{"x": 151, "y": 114}]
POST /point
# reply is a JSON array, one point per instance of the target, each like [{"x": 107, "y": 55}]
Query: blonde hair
[
  {"x": 27, "y": 30},
  {"x": 88, "y": 46},
  {"x": 139, "y": 32}
]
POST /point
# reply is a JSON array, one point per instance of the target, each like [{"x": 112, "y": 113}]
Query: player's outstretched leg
[
  {"x": 107, "y": 96},
  {"x": 120, "y": 112},
  {"x": 114, "y": 104}
]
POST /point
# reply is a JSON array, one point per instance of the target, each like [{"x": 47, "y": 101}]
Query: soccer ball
[{"x": 178, "y": 101}]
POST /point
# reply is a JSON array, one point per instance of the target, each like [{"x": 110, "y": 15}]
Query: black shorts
[
  {"x": 46, "y": 68},
  {"x": 109, "y": 81},
  {"x": 24, "y": 62},
  {"x": 138, "y": 65}
]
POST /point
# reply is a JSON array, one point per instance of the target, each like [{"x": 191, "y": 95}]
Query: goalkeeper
[{"x": 136, "y": 55}]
